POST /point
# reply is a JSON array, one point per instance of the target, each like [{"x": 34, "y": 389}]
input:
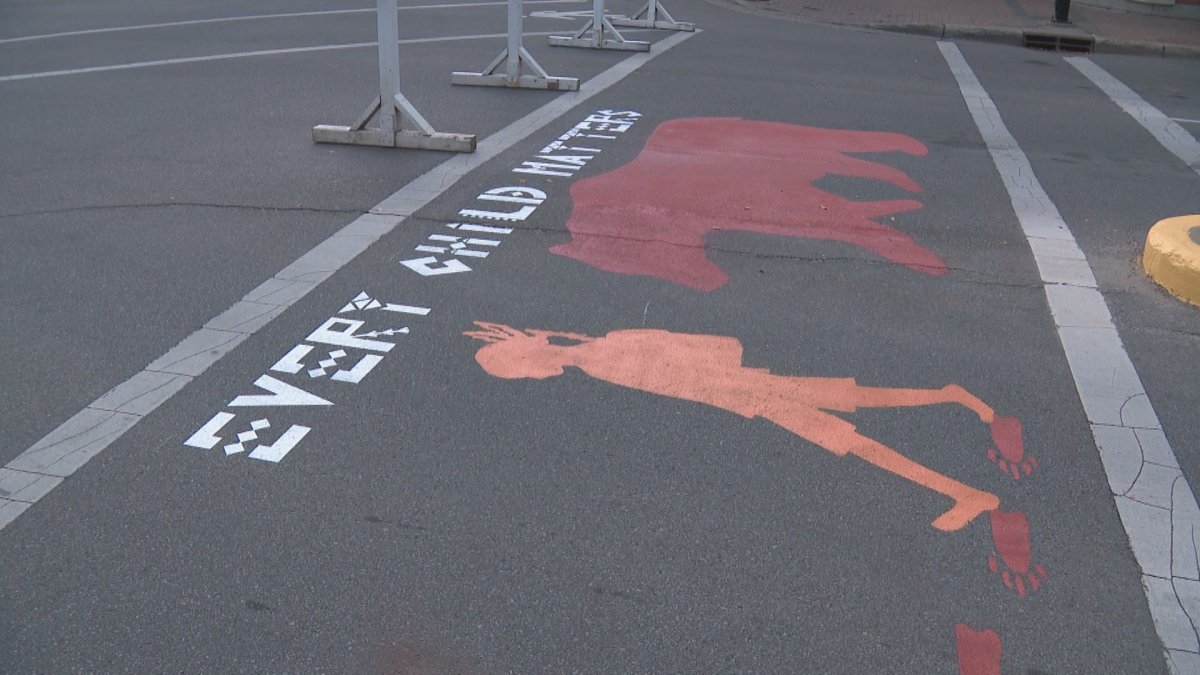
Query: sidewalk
[{"x": 999, "y": 20}]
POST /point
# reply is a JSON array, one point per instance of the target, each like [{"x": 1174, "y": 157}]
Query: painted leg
[
  {"x": 882, "y": 397},
  {"x": 969, "y": 503},
  {"x": 1006, "y": 431},
  {"x": 1010, "y": 534}
]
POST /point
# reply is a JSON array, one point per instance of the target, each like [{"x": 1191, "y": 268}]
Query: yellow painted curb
[{"x": 1172, "y": 256}]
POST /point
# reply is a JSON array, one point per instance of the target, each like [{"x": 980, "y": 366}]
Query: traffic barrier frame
[
  {"x": 653, "y": 15},
  {"x": 506, "y": 70},
  {"x": 599, "y": 33},
  {"x": 399, "y": 123}
]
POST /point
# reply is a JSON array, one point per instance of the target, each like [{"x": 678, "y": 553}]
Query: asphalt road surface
[{"x": 783, "y": 363}]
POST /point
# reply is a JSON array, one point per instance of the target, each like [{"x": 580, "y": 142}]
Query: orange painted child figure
[{"x": 708, "y": 369}]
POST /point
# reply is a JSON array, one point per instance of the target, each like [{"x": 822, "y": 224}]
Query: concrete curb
[
  {"x": 1005, "y": 35},
  {"x": 1172, "y": 256}
]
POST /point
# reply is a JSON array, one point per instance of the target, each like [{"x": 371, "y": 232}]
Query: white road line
[
  {"x": 259, "y": 17},
  {"x": 1157, "y": 507},
  {"x": 247, "y": 55},
  {"x": 1166, "y": 131},
  {"x": 42, "y": 467},
  {"x": 1184, "y": 120}
]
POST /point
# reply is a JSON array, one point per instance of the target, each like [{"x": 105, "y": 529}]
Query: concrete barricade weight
[
  {"x": 515, "y": 67},
  {"x": 1172, "y": 256},
  {"x": 599, "y": 33},
  {"x": 653, "y": 15},
  {"x": 399, "y": 125}
]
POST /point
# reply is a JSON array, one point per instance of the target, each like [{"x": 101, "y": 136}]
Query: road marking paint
[
  {"x": 1185, "y": 120},
  {"x": 643, "y": 233},
  {"x": 246, "y": 55},
  {"x": 93, "y": 429},
  {"x": 515, "y": 203},
  {"x": 709, "y": 369},
  {"x": 257, "y": 17},
  {"x": 1156, "y": 505},
  {"x": 978, "y": 651},
  {"x": 1165, "y": 130}
]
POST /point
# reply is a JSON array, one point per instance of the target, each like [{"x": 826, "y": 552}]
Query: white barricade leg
[
  {"x": 599, "y": 33},
  {"x": 399, "y": 123},
  {"x": 514, "y": 59},
  {"x": 653, "y": 15}
]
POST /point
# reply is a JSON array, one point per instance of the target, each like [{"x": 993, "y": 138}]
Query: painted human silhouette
[
  {"x": 708, "y": 369},
  {"x": 700, "y": 175}
]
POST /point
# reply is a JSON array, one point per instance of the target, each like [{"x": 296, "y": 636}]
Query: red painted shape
[
  {"x": 978, "y": 651},
  {"x": 709, "y": 369},
  {"x": 704, "y": 174},
  {"x": 1012, "y": 458},
  {"x": 1010, "y": 534}
]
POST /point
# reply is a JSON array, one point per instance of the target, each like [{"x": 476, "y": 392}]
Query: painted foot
[
  {"x": 978, "y": 651},
  {"x": 1010, "y": 534},
  {"x": 966, "y": 508},
  {"x": 1011, "y": 458}
]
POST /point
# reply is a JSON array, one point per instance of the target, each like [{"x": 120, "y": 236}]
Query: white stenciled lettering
[
  {"x": 458, "y": 245},
  {"x": 631, "y": 114},
  {"x": 431, "y": 266},
  {"x": 576, "y": 160},
  {"x": 293, "y": 363},
  {"x": 516, "y": 195},
  {"x": 282, "y": 394},
  {"x": 363, "y": 302},
  {"x": 269, "y": 453},
  {"x": 546, "y": 169},
  {"x": 562, "y": 145},
  {"x": 472, "y": 227},
  {"x": 206, "y": 438},
  {"x": 330, "y": 334},
  {"x": 520, "y": 214}
]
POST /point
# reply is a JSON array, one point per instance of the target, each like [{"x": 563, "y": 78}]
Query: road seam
[
  {"x": 253, "y": 54},
  {"x": 1155, "y": 503},
  {"x": 259, "y": 17},
  {"x": 40, "y": 468}
]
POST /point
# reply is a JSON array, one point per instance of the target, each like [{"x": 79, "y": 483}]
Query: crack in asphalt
[
  {"x": 988, "y": 280},
  {"x": 1170, "y": 332}
]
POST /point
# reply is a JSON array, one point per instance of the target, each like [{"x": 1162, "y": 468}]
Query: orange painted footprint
[
  {"x": 1011, "y": 458},
  {"x": 1010, "y": 534}
]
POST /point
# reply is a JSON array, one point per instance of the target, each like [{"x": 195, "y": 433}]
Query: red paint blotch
[
  {"x": 1007, "y": 435},
  {"x": 699, "y": 175},
  {"x": 1010, "y": 534},
  {"x": 978, "y": 651}
]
